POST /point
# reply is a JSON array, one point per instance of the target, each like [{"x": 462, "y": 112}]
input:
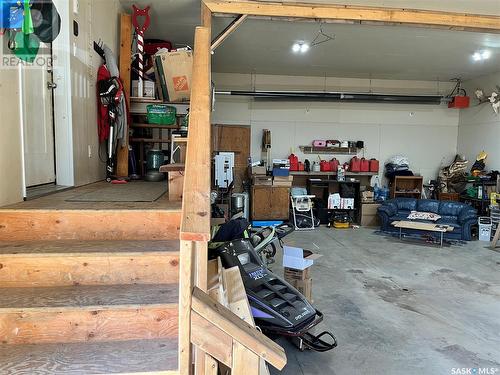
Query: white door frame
[{"x": 63, "y": 124}]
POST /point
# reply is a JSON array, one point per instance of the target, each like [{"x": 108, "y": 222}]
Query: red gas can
[
  {"x": 334, "y": 165},
  {"x": 355, "y": 165},
  {"x": 294, "y": 162},
  {"x": 324, "y": 166},
  {"x": 374, "y": 165},
  {"x": 364, "y": 165},
  {"x": 301, "y": 167}
]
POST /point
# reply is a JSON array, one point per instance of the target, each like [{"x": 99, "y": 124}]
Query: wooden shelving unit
[
  {"x": 407, "y": 186},
  {"x": 330, "y": 150}
]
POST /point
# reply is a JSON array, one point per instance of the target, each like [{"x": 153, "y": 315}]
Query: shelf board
[
  {"x": 408, "y": 192},
  {"x": 135, "y": 99},
  {"x": 151, "y": 140},
  {"x": 329, "y": 150},
  {"x": 180, "y": 139},
  {"x": 153, "y": 126}
]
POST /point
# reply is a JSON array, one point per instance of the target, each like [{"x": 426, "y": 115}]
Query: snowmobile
[{"x": 277, "y": 307}]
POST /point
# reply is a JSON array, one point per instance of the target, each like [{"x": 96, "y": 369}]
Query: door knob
[{"x": 51, "y": 85}]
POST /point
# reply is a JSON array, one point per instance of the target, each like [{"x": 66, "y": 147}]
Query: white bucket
[{"x": 485, "y": 229}]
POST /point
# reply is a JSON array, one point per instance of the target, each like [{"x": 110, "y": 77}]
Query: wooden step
[
  {"x": 58, "y": 263},
  {"x": 126, "y": 357},
  {"x": 73, "y": 224},
  {"x": 88, "y": 313}
]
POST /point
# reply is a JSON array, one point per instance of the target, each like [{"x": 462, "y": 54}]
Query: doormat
[{"x": 139, "y": 191}]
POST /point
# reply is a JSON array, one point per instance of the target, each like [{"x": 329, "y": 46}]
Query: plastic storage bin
[
  {"x": 485, "y": 225},
  {"x": 161, "y": 114}
]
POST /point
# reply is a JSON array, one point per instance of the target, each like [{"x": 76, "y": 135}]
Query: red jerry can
[
  {"x": 294, "y": 162},
  {"x": 334, "y": 165},
  {"x": 355, "y": 165},
  {"x": 324, "y": 166},
  {"x": 364, "y": 165},
  {"x": 301, "y": 167},
  {"x": 374, "y": 165}
]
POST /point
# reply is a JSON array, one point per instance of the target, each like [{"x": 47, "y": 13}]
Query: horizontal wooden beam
[
  {"x": 227, "y": 31},
  {"x": 238, "y": 329},
  {"x": 378, "y": 15}
]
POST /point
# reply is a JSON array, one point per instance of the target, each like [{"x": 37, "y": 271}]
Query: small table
[
  {"x": 175, "y": 180},
  {"x": 442, "y": 229}
]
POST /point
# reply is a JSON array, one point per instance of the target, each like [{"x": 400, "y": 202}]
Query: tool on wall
[
  {"x": 266, "y": 147},
  {"x": 140, "y": 30}
]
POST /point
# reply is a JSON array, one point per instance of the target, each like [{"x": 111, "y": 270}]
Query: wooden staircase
[{"x": 78, "y": 301}]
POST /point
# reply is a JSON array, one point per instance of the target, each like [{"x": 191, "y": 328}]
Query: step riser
[
  {"x": 90, "y": 269},
  {"x": 84, "y": 325},
  {"x": 33, "y": 225}
]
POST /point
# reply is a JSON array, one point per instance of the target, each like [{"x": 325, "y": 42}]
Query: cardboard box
[
  {"x": 304, "y": 287},
  {"x": 347, "y": 203},
  {"x": 148, "y": 88},
  {"x": 285, "y": 181},
  {"x": 297, "y": 258},
  {"x": 293, "y": 274},
  {"x": 367, "y": 196},
  {"x": 177, "y": 69},
  {"x": 260, "y": 170},
  {"x": 262, "y": 180},
  {"x": 369, "y": 217}
]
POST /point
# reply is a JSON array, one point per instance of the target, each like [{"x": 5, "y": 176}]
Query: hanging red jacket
[{"x": 102, "y": 111}]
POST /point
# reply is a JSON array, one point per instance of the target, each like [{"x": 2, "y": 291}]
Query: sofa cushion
[
  {"x": 428, "y": 205},
  {"x": 406, "y": 204},
  {"x": 451, "y": 208},
  {"x": 448, "y": 219}
]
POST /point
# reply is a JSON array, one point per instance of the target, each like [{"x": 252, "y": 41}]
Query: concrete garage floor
[{"x": 401, "y": 308}]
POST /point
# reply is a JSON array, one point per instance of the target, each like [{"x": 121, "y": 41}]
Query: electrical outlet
[{"x": 90, "y": 151}]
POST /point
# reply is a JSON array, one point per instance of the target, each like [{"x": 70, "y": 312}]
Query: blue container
[
  {"x": 11, "y": 14},
  {"x": 281, "y": 172},
  {"x": 270, "y": 223}
]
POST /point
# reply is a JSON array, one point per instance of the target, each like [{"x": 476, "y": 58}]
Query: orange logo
[{"x": 181, "y": 83}]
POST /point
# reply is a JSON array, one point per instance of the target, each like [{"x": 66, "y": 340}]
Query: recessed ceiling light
[
  {"x": 300, "y": 47},
  {"x": 476, "y": 56},
  {"x": 481, "y": 55},
  {"x": 485, "y": 54}
]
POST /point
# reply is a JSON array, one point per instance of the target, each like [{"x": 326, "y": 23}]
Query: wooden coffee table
[{"x": 442, "y": 229}]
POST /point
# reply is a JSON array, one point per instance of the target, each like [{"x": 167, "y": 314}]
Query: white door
[{"x": 38, "y": 124}]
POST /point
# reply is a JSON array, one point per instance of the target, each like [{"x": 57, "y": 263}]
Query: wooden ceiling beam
[{"x": 374, "y": 15}]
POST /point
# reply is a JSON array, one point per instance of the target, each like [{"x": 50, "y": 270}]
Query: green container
[
  {"x": 161, "y": 114},
  {"x": 155, "y": 160}
]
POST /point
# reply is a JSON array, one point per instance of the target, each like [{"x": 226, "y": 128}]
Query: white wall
[
  {"x": 98, "y": 20},
  {"x": 427, "y": 134},
  {"x": 479, "y": 126}
]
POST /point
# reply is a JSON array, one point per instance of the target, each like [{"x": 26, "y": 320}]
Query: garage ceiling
[{"x": 362, "y": 51}]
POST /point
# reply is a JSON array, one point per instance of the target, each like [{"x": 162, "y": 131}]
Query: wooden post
[
  {"x": 125, "y": 69},
  {"x": 186, "y": 283},
  {"x": 195, "y": 226}
]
